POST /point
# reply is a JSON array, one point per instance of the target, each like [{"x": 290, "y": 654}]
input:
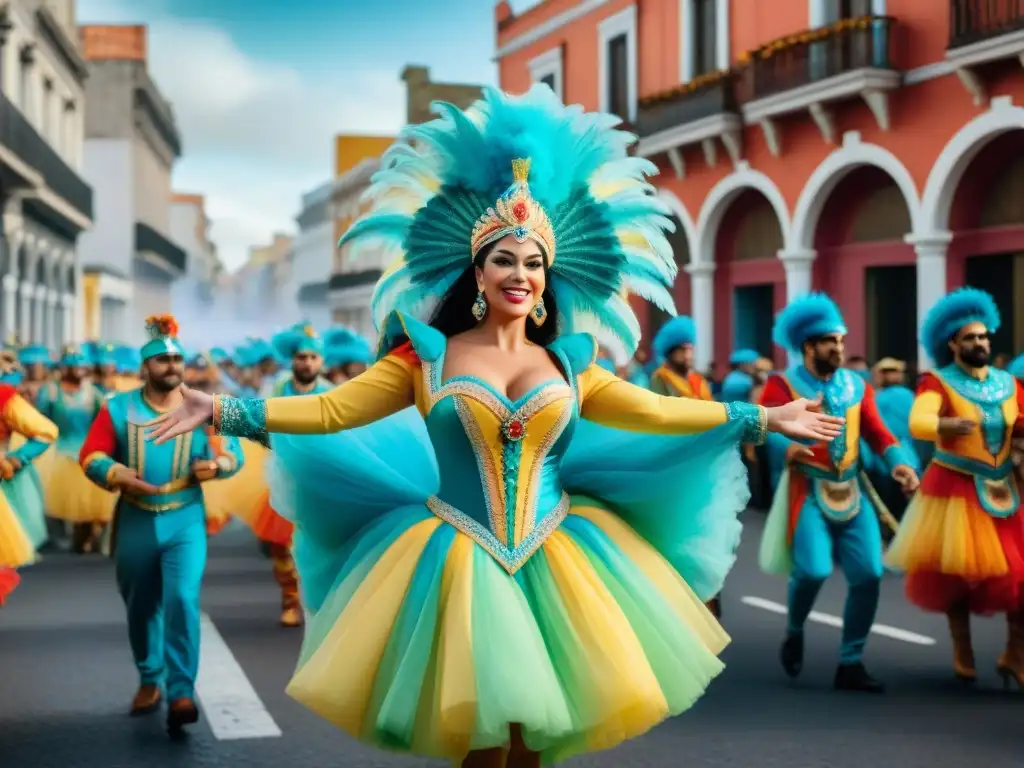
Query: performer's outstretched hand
[
  {"x": 196, "y": 409},
  {"x": 803, "y": 420}
]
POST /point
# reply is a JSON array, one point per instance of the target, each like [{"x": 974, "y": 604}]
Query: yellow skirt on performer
[
  {"x": 16, "y": 549},
  {"x": 73, "y": 497}
]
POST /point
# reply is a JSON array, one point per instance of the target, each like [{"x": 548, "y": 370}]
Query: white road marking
[
  {"x": 894, "y": 633},
  {"x": 232, "y": 707}
]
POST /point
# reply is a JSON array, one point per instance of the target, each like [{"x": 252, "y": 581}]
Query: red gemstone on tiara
[{"x": 519, "y": 211}]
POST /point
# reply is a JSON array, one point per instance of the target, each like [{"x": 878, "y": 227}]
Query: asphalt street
[{"x": 66, "y": 680}]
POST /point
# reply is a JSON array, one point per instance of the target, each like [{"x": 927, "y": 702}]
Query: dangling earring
[
  {"x": 539, "y": 313},
  {"x": 479, "y": 306}
]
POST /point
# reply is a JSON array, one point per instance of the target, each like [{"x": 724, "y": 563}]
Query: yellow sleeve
[
  {"x": 613, "y": 402},
  {"x": 385, "y": 388},
  {"x": 23, "y": 418},
  {"x": 924, "y": 416}
]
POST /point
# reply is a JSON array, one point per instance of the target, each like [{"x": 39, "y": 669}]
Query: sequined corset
[{"x": 499, "y": 462}]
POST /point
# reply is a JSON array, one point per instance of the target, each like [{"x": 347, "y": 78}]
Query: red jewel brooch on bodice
[{"x": 513, "y": 430}]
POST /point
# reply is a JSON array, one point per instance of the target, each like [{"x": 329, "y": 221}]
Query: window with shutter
[{"x": 618, "y": 77}]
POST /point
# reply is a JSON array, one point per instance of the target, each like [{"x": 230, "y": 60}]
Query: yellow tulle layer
[
  {"x": 430, "y": 646},
  {"x": 242, "y": 493},
  {"x": 71, "y": 496},
  {"x": 15, "y": 548},
  {"x": 948, "y": 534}
]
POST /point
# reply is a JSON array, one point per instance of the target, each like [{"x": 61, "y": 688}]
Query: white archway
[
  {"x": 719, "y": 199},
  {"x": 957, "y": 155},
  {"x": 833, "y": 169},
  {"x": 669, "y": 198}
]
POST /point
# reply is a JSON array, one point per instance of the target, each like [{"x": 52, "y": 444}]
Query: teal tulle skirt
[
  {"x": 417, "y": 639},
  {"x": 24, "y": 492}
]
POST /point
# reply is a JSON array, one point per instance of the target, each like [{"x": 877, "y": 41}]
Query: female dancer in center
[{"x": 518, "y": 567}]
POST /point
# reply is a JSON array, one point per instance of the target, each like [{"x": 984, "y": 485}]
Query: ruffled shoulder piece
[
  {"x": 427, "y": 341},
  {"x": 577, "y": 350}
]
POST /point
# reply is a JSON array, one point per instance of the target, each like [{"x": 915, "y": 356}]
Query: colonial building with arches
[{"x": 873, "y": 149}]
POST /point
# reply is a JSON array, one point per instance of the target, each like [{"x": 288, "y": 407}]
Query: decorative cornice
[{"x": 65, "y": 48}]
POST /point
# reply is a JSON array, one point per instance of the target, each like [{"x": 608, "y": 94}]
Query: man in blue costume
[
  {"x": 824, "y": 506},
  {"x": 159, "y": 537},
  {"x": 740, "y": 381}
]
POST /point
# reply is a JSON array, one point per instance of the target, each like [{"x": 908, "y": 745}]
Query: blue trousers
[
  {"x": 857, "y": 545},
  {"x": 159, "y": 561}
]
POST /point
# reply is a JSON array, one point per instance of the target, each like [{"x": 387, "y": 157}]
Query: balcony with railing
[
  {"x": 698, "y": 112},
  {"x": 982, "y": 32},
  {"x": 815, "y": 69},
  {"x": 36, "y": 155}
]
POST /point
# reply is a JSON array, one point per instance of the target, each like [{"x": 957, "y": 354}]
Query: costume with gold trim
[
  {"x": 470, "y": 560},
  {"x": 825, "y": 508},
  {"x": 72, "y": 407},
  {"x": 962, "y": 537},
  {"x": 18, "y": 541},
  {"x": 159, "y": 540}
]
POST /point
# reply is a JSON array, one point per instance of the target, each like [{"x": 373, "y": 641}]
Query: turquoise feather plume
[
  {"x": 951, "y": 313},
  {"x": 441, "y": 176}
]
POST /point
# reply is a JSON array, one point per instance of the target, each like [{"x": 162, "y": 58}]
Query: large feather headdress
[{"x": 443, "y": 177}]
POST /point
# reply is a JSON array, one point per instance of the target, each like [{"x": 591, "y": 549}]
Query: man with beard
[
  {"x": 346, "y": 354},
  {"x": 673, "y": 350},
  {"x": 675, "y": 377},
  {"x": 305, "y": 349},
  {"x": 159, "y": 536},
  {"x": 824, "y": 506},
  {"x": 961, "y": 542}
]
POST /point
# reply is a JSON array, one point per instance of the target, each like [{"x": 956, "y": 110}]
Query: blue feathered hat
[
  {"x": 582, "y": 192},
  {"x": 677, "y": 332},
  {"x": 343, "y": 346},
  {"x": 951, "y": 313},
  {"x": 806, "y": 318},
  {"x": 297, "y": 339},
  {"x": 744, "y": 357},
  {"x": 129, "y": 359},
  {"x": 73, "y": 357},
  {"x": 34, "y": 354},
  {"x": 104, "y": 354}
]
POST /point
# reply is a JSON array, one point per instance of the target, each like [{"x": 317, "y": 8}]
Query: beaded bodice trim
[
  {"x": 839, "y": 393},
  {"x": 987, "y": 396}
]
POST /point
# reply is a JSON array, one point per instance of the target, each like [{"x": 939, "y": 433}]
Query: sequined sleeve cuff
[
  {"x": 241, "y": 418},
  {"x": 754, "y": 419}
]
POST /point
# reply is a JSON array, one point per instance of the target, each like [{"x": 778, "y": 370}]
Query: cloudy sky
[{"x": 259, "y": 92}]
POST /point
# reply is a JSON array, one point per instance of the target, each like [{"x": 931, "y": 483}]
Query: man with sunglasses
[
  {"x": 159, "y": 529},
  {"x": 961, "y": 542}
]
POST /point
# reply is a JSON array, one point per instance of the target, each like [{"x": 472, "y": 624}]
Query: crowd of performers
[{"x": 448, "y": 545}]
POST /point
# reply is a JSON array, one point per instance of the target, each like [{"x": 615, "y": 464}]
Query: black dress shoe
[
  {"x": 854, "y": 677},
  {"x": 792, "y": 655}
]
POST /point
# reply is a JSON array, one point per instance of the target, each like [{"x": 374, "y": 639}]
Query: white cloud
[{"x": 256, "y": 134}]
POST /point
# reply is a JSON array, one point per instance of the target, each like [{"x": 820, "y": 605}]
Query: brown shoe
[
  {"x": 181, "y": 712},
  {"x": 291, "y": 617},
  {"x": 147, "y": 700}
]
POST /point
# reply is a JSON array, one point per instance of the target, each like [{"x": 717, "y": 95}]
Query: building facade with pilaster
[
  {"x": 873, "y": 149},
  {"x": 129, "y": 259},
  {"x": 313, "y": 260},
  {"x": 45, "y": 203}
]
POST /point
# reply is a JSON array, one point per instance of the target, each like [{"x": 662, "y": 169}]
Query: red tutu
[
  {"x": 9, "y": 580},
  {"x": 972, "y": 558}
]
